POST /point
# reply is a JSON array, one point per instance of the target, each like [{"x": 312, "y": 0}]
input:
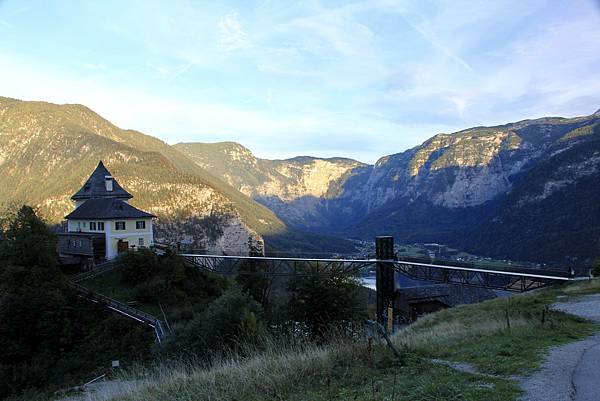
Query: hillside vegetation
[
  {"x": 476, "y": 334},
  {"x": 47, "y": 151}
]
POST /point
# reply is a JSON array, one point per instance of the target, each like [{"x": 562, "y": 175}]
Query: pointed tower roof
[{"x": 96, "y": 187}]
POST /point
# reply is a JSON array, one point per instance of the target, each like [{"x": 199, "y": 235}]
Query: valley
[
  {"x": 495, "y": 191},
  {"x": 520, "y": 191}
]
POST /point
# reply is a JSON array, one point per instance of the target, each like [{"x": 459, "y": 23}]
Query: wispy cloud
[
  {"x": 231, "y": 34},
  {"x": 314, "y": 77}
]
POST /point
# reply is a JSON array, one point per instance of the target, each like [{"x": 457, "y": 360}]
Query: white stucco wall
[{"x": 131, "y": 234}]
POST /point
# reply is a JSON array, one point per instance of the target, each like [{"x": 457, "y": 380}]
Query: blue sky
[{"x": 325, "y": 78}]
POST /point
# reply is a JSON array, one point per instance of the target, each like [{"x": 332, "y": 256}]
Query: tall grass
[
  {"x": 273, "y": 372},
  {"x": 476, "y": 333}
]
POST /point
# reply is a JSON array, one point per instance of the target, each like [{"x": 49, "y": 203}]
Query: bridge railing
[
  {"x": 273, "y": 266},
  {"x": 519, "y": 280}
]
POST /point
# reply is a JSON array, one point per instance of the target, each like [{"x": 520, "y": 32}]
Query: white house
[{"x": 103, "y": 223}]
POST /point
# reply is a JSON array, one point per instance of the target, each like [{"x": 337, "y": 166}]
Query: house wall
[{"x": 131, "y": 234}]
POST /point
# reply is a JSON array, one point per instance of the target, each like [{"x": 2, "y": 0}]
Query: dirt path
[{"x": 570, "y": 372}]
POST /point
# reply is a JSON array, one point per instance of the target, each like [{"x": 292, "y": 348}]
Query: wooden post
[{"x": 384, "y": 251}]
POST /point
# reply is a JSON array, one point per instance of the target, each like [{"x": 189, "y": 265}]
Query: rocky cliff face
[
  {"x": 468, "y": 168},
  {"x": 295, "y": 189},
  {"x": 443, "y": 190},
  {"x": 47, "y": 151}
]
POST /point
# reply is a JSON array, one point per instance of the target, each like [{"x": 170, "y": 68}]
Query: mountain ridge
[
  {"x": 47, "y": 151},
  {"x": 453, "y": 188},
  {"x": 441, "y": 190}
]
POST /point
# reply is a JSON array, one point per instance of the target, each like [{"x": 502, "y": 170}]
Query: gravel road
[{"x": 570, "y": 372}]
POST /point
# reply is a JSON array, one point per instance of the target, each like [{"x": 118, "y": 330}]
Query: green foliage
[
  {"x": 151, "y": 279},
  {"x": 27, "y": 241},
  {"x": 252, "y": 281},
  {"x": 49, "y": 336},
  {"x": 138, "y": 267},
  {"x": 324, "y": 304},
  {"x": 596, "y": 268},
  {"x": 232, "y": 320}
]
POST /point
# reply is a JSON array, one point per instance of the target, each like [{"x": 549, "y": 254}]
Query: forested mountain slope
[{"x": 47, "y": 151}]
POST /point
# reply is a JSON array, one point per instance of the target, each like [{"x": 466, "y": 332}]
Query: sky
[{"x": 358, "y": 79}]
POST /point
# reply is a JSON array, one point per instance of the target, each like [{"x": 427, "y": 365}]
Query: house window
[
  {"x": 92, "y": 226},
  {"x": 119, "y": 225},
  {"x": 140, "y": 225},
  {"x": 140, "y": 241},
  {"x": 100, "y": 226}
]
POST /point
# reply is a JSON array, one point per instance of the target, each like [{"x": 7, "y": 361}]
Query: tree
[
  {"x": 252, "y": 281},
  {"x": 46, "y": 329},
  {"x": 326, "y": 303},
  {"x": 25, "y": 240},
  {"x": 33, "y": 296}
]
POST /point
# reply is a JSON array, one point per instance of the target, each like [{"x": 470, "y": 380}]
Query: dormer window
[{"x": 108, "y": 182}]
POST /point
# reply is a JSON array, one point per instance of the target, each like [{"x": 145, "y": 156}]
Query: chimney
[{"x": 108, "y": 182}]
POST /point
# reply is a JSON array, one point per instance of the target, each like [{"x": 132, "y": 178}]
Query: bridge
[{"x": 386, "y": 265}]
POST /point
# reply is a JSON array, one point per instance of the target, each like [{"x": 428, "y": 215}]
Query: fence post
[{"x": 384, "y": 284}]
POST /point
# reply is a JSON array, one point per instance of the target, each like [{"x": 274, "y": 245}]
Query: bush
[
  {"x": 232, "y": 320},
  {"x": 596, "y": 268},
  {"x": 25, "y": 240},
  {"x": 139, "y": 266}
]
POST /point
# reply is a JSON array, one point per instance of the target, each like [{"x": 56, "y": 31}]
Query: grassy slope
[{"x": 477, "y": 334}]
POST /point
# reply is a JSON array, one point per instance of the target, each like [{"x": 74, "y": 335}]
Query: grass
[{"x": 477, "y": 334}]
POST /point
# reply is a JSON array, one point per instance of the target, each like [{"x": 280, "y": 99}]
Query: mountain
[
  {"x": 471, "y": 189},
  {"x": 295, "y": 189},
  {"x": 526, "y": 190},
  {"x": 48, "y": 150},
  {"x": 553, "y": 212},
  {"x": 446, "y": 188}
]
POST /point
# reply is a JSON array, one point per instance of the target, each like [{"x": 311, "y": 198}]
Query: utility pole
[{"x": 384, "y": 251}]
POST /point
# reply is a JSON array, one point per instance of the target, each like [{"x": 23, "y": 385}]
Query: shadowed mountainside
[{"x": 454, "y": 188}]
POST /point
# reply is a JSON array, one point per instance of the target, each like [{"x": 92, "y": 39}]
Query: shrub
[
  {"x": 230, "y": 321},
  {"x": 596, "y": 268},
  {"x": 139, "y": 266}
]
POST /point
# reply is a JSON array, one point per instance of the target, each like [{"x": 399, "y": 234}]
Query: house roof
[
  {"x": 107, "y": 208},
  {"x": 95, "y": 186}
]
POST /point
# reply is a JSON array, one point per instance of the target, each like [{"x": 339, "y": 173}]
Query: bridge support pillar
[{"x": 384, "y": 251}]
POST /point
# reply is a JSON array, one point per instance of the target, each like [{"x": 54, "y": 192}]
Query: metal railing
[
  {"x": 96, "y": 271},
  {"x": 124, "y": 309},
  {"x": 520, "y": 280}
]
